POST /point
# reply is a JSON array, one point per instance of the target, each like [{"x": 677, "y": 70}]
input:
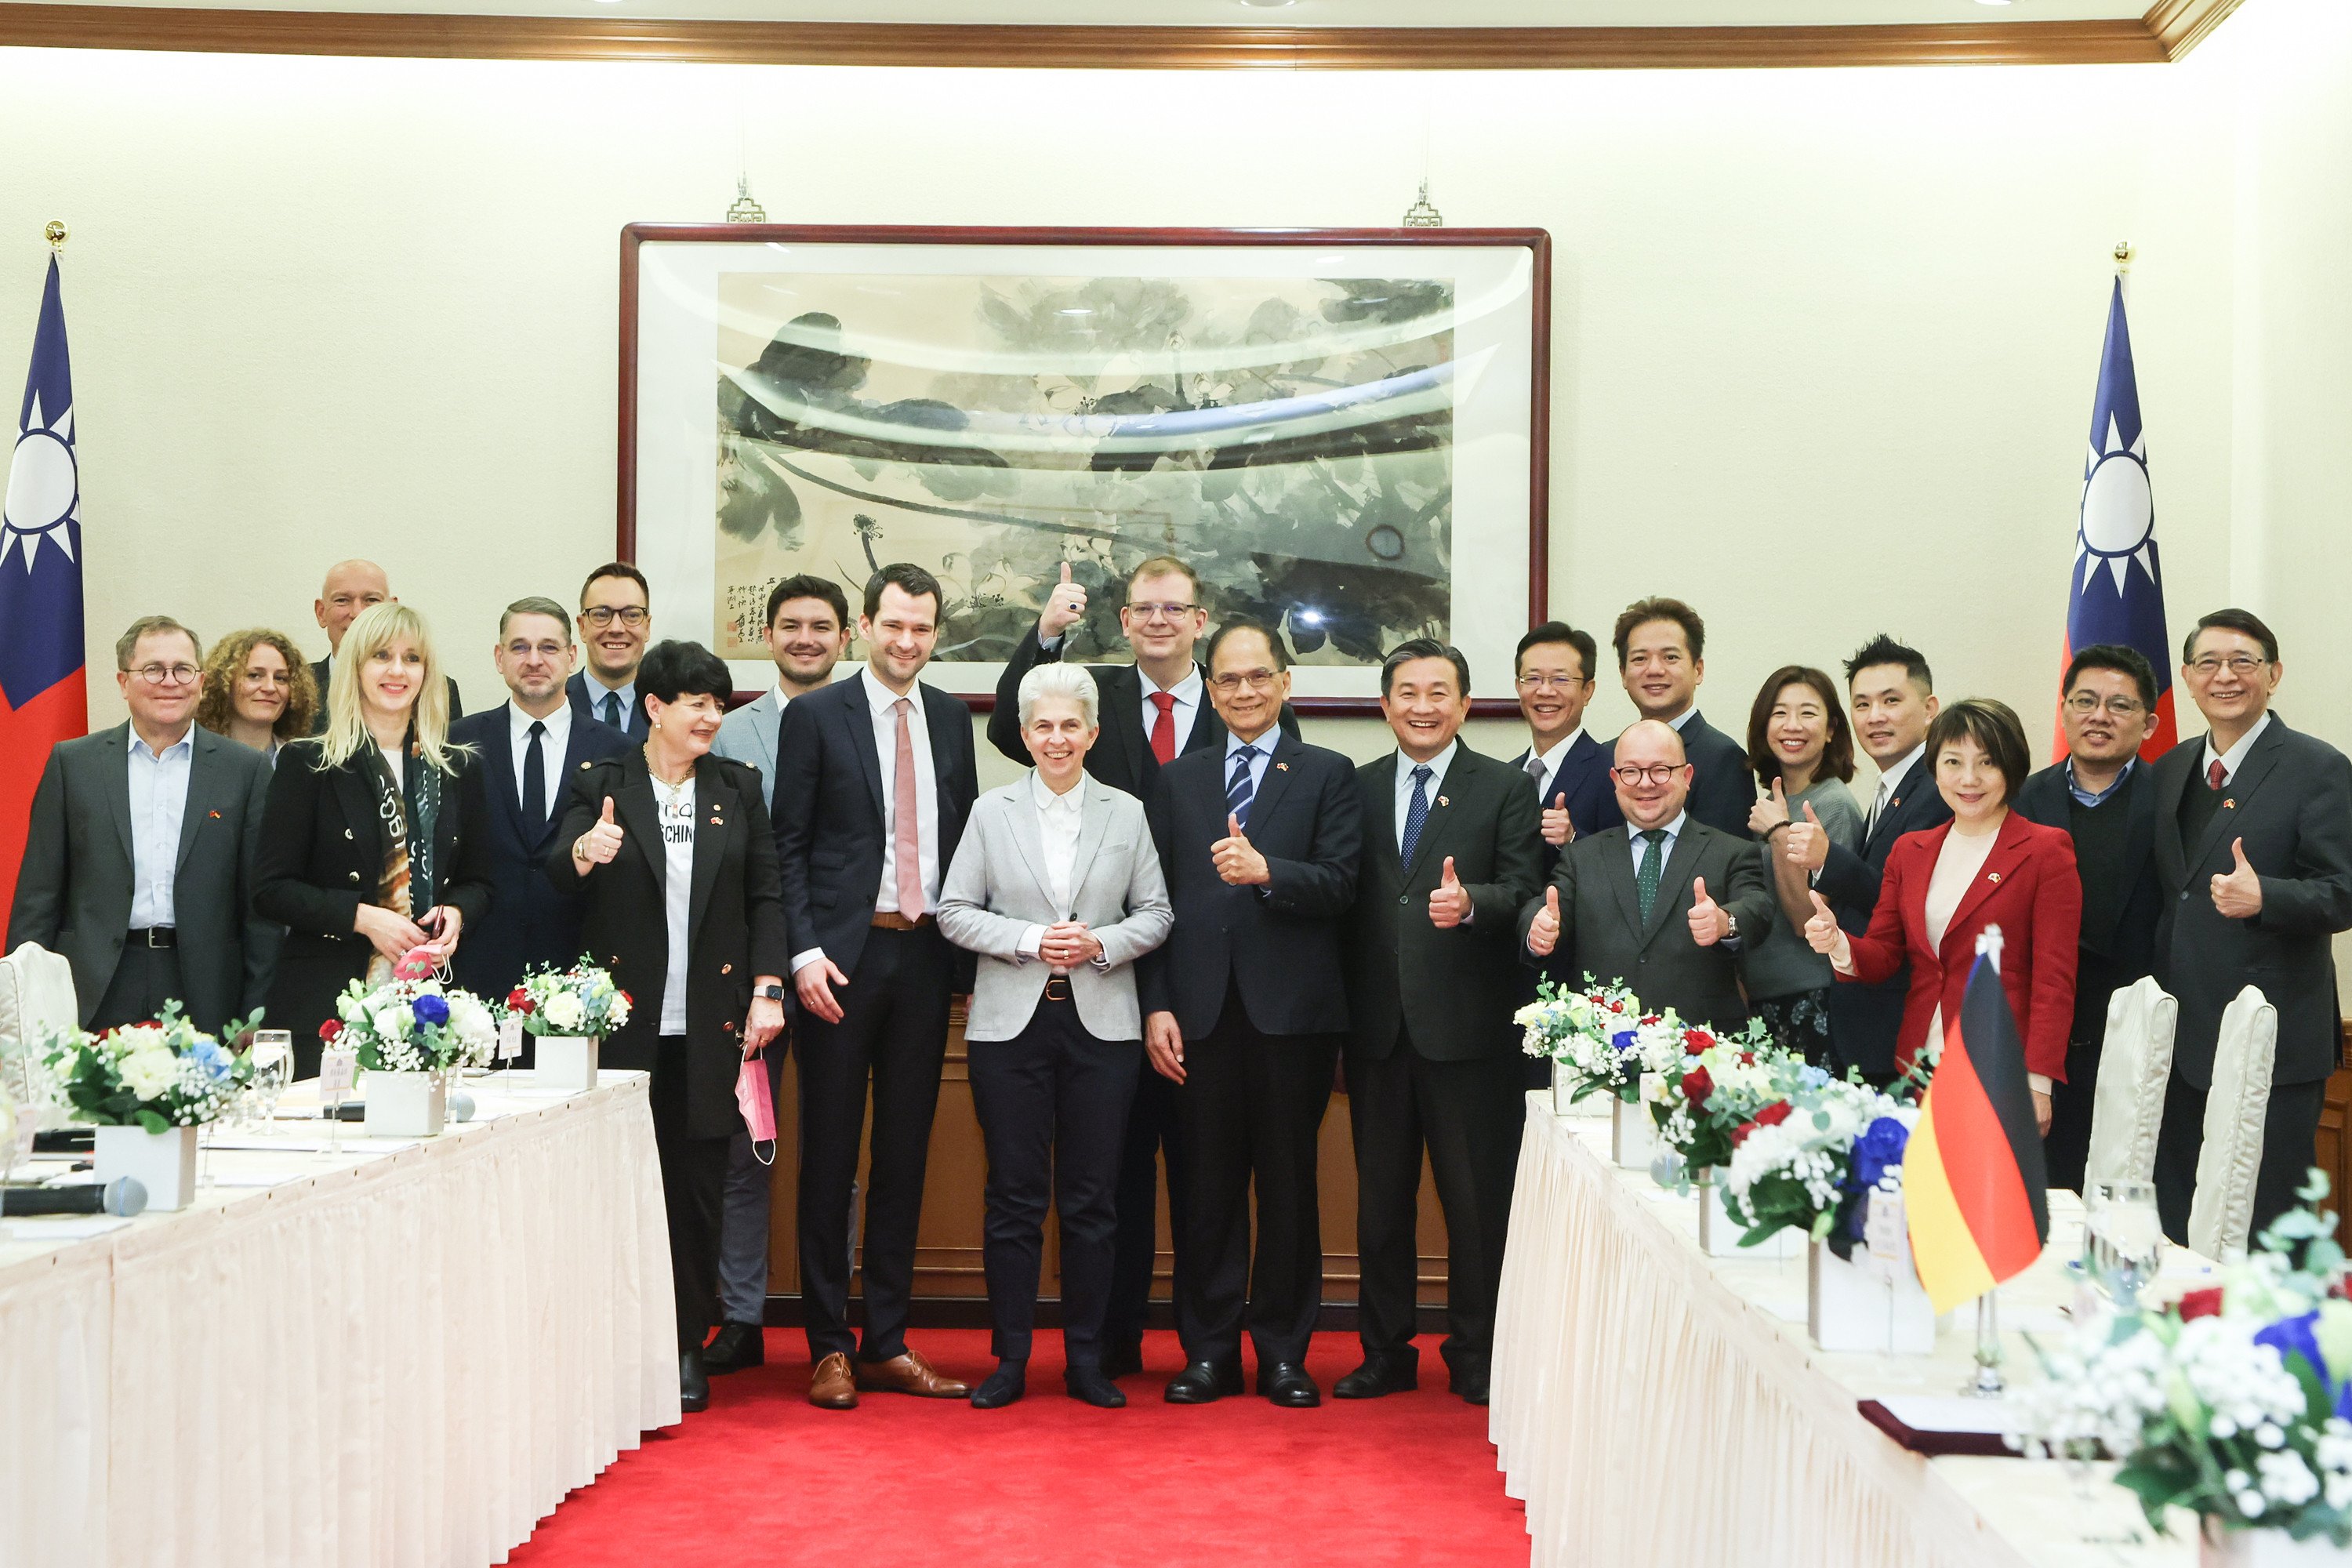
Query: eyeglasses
[
  {"x": 632, "y": 617},
  {"x": 167, "y": 674},
  {"x": 2238, "y": 664},
  {"x": 2086, "y": 703},
  {"x": 1234, "y": 680},
  {"x": 1549, "y": 682},
  {"x": 1170, "y": 612},
  {"x": 1656, "y": 773}
]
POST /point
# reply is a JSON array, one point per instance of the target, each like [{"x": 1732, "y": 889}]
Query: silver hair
[{"x": 1060, "y": 681}]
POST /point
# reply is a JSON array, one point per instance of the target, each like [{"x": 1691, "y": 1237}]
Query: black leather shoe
[
  {"x": 1286, "y": 1383},
  {"x": 1470, "y": 1382},
  {"x": 1122, "y": 1360},
  {"x": 737, "y": 1346},
  {"x": 1203, "y": 1383},
  {"x": 1089, "y": 1384},
  {"x": 1008, "y": 1382},
  {"x": 693, "y": 1384},
  {"x": 1379, "y": 1375}
]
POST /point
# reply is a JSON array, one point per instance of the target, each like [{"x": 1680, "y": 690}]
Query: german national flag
[{"x": 1973, "y": 1181}]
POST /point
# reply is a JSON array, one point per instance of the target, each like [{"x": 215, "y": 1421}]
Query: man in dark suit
[
  {"x": 1663, "y": 905},
  {"x": 1152, "y": 711},
  {"x": 1894, "y": 697},
  {"x": 2100, "y": 794},
  {"x": 2254, "y": 845},
  {"x": 1662, "y": 658},
  {"x": 1553, "y": 669},
  {"x": 139, "y": 855},
  {"x": 350, "y": 587},
  {"x": 875, "y": 777},
  {"x": 1450, "y": 852},
  {"x": 529, "y": 746},
  {"x": 1243, "y": 1008},
  {"x": 617, "y": 623}
]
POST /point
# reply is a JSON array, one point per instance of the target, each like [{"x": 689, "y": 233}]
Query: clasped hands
[
  {"x": 396, "y": 936},
  {"x": 1069, "y": 944}
]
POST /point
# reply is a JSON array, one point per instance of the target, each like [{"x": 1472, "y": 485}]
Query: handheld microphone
[{"x": 124, "y": 1196}]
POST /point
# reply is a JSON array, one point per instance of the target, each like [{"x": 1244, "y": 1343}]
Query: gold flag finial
[
  {"x": 2124, "y": 253},
  {"x": 56, "y": 234}
]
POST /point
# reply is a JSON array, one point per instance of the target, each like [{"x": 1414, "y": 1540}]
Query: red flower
[
  {"x": 1739, "y": 1133},
  {"x": 629, "y": 999},
  {"x": 329, "y": 1030},
  {"x": 2205, "y": 1303},
  {"x": 1695, "y": 1041},
  {"x": 518, "y": 999},
  {"x": 1747, "y": 1059},
  {"x": 1773, "y": 1114},
  {"x": 1648, "y": 1018},
  {"x": 1696, "y": 1086}
]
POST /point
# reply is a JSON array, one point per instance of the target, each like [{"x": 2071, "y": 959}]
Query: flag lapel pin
[
  {"x": 1993, "y": 876},
  {"x": 214, "y": 815},
  {"x": 2228, "y": 805},
  {"x": 1281, "y": 767}
]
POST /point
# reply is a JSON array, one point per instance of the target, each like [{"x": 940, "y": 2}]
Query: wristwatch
[
  {"x": 772, "y": 993},
  {"x": 1730, "y": 926}
]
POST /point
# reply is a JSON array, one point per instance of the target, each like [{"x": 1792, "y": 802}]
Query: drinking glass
[
  {"x": 2133, "y": 1239},
  {"x": 273, "y": 1058}
]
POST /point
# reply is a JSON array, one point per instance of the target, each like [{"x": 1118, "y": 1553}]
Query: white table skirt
[
  {"x": 1654, "y": 1406},
  {"x": 399, "y": 1358}
]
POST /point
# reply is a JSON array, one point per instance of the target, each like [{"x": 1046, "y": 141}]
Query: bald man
[
  {"x": 352, "y": 586},
  {"x": 1662, "y": 905}
]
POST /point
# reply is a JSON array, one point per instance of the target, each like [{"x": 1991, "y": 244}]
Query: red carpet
[{"x": 763, "y": 1478}]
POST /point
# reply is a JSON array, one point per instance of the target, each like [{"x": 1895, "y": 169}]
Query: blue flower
[
  {"x": 2293, "y": 1337},
  {"x": 209, "y": 1055},
  {"x": 430, "y": 1011},
  {"x": 1622, "y": 1040},
  {"x": 1880, "y": 1146}
]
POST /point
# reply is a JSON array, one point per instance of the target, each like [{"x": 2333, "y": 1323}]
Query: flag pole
[
  {"x": 2124, "y": 253},
  {"x": 1987, "y": 1382}
]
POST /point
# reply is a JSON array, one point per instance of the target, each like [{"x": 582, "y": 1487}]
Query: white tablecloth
[
  {"x": 397, "y": 1358},
  {"x": 1655, "y": 1405}
]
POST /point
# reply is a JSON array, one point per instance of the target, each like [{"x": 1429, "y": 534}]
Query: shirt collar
[
  {"x": 1890, "y": 777},
  {"x": 1683, "y": 717},
  {"x": 1436, "y": 765},
  {"x": 1559, "y": 753},
  {"x": 626, "y": 691},
  {"x": 1187, "y": 690},
  {"x": 519, "y": 722},
  {"x": 783, "y": 699},
  {"x": 1673, "y": 830},
  {"x": 184, "y": 746},
  {"x": 879, "y": 697},
  {"x": 1265, "y": 743},
  {"x": 1042, "y": 795},
  {"x": 2235, "y": 757},
  {"x": 2090, "y": 797}
]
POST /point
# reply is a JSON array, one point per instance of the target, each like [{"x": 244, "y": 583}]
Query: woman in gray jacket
[{"x": 1057, "y": 886}]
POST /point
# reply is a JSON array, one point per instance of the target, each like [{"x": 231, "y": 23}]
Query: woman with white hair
[{"x": 1057, "y": 886}]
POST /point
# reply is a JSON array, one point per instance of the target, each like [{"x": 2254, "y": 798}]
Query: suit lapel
[
  {"x": 1449, "y": 800},
  {"x": 1029, "y": 838},
  {"x": 1093, "y": 823},
  {"x": 2171, "y": 781},
  {"x": 1676, "y": 873},
  {"x": 2260, "y": 757},
  {"x": 355, "y": 788},
  {"x": 1617, "y": 869},
  {"x": 715, "y": 817},
  {"x": 1379, "y": 819},
  {"x": 2008, "y": 854},
  {"x": 1276, "y": 783},
  {"x": 1121, "y": 699},
  {"x": 767, "y": 723},
  {"x": 1208, "y": 730},
  {"x": 575, "y": 757},
  {"x": 498, "y": 756},
  {"x": 203, "y": 753},
  {"x": 857, "y": 716},
  {"x": 638, "y": 812},
  {"x": 941, "y": 720},
  {"x": 118, "y": 786}
]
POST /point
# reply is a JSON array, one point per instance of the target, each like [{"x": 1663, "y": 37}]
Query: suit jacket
[
  {"x": 734, "y": 927},
  {"x": 2291, "y": 805},
  {"x": 1122, "y": 757},
  {"x": 997, "y": 890},
  {"x": 747, "y": 735},
  {"x": 1278, "y": 943},
  {"x": 322, "y": 855},
  {"x": 827, "y": 810},
  {"x": 1723, "y": 786},
  {"x": 1583, "y": 777},
  {"x": 2028, "y": 888},
  {"x": 1602, "y": 932},
  {"x": 531, "y": 923},
  {"x": 320, "y": 668},
  {"x": 1451, "y": 991},
  {"x": 1866, "y": 1020},
  {"x": 639, "y": 726},
  {"x": 74, "y": 888},
  {"x": 2123, "y": 948}
]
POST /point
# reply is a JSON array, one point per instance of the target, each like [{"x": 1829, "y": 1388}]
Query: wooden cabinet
[{"x": 2333, "y": 1153}]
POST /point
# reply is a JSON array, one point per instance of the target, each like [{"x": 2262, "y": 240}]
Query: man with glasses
[
  {"x": 1662, "y": 905},
  {"x": 1554, "y": 665},
  {"x": 139, "y": 855},
  {"x": 2253, "y": 848},
  {"x": 2100, "y": 794},
  {"x": 350, "y": 587},
  {"x": 617, "y": 623}
]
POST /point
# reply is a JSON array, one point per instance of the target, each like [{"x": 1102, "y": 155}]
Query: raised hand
[
  {"x": 1064, "y": 607},
  {"x": 2239, "y": 894},
  {"x": 1821, "y": 934},
  {"x": 1557, "y": 830},
  {"x": 1543, "y": 932},
  {"x": 1449, "y": 901},
  {"x": 1709, "y": 923},
  {"x": 1768, "y": 812},
  {"x": 1809, "y": 841},
  {"x": 1236, "y": 860},
  {"x": 600, "y": 843}
]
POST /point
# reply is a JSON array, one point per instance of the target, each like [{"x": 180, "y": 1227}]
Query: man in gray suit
[
  {"x": 808, "y": 634},
  {"x": 1662, "y": 905},
  {"x": 139, "y": 856}
]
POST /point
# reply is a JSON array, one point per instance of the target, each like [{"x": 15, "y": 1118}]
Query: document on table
[
  {"x": 353, "y": 1143},
  {"x": 75, "y": 1227},
  {"x": 258, "y": 1178}
]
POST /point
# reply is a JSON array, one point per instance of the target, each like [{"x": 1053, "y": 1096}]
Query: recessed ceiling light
[
  {"x": 1278, "y": 4},
  {"x": 1992, "y": 2}
]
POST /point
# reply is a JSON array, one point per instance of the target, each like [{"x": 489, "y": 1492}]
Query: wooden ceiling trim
[{"x": 2181, "y": 24}]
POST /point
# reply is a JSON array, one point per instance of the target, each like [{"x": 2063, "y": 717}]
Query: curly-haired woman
[{"x": 258, "y": 690}]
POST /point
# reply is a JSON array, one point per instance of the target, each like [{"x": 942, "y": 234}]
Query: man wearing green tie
[{"x": 615, "y": 624}]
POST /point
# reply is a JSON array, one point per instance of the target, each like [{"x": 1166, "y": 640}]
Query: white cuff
[
  {"x": 2040, "y": 1081},
  {"x": 1047, "y": 645},
  {"x": 1032, "y": 939},
  {"x": 803, "y": 960}
]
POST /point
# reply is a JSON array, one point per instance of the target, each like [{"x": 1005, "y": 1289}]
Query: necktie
[
  {"x": 534, "y": 780},
  {"x": 1536, "y": 769},
  {"x": 1878, "y": 804},
  {"x": 1416, "y": 813},
  {"x": 2217, "y": 776},
  {"x": 1163, "y": 727},
  {"x": 1653, "y": 865},
  {"x": 612, "y": 708},
  {"x": 906, "y": 835},
  {"x": 1240, "y": 790}
]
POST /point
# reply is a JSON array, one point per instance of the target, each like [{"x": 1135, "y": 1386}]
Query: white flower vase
[
  {"x": 2219, "y": 1548},
  {"x": 1632, "y": 1137},
  {"x": 566, "y": 1061},
  {"x": 406, "y": 1104},
  {"x": 163, "y": 1163},
  {"x": 1865, "y": 1305},
  {"x": 1719, "y": 1233}
]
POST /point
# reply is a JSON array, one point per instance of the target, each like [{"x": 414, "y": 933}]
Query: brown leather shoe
[
  {"x": 910, "y": 1374},
  {"x": 832, "y": 1386}
]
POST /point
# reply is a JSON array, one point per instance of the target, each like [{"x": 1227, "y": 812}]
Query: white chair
[
  {"x": 2223, "y": 1212},
  {"x": 2135, "y": 1064},
  {"x": 36, "y": 997}
]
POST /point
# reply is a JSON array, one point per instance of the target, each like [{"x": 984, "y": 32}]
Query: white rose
[
  {"x": 564, "y": 1011},
  {"x": 149, "y": 1071},
  {"x": 470, "y": 1018}
]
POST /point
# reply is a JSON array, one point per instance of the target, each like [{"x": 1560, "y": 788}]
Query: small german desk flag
[{"x": 1974, "y": 1187}]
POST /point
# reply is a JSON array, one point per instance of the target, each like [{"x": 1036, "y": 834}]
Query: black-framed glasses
[
  {"x": 1656, "y": 773},
  {"x": 630, "y": 616},
  {"x": 167, "y": 674}
]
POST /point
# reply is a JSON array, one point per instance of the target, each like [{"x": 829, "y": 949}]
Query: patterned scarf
[{"x": 405, "y": 886}]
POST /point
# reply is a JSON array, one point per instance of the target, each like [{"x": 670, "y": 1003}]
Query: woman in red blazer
[{"x": 1987, "y": 867}]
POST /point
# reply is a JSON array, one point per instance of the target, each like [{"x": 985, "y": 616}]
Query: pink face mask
[{"x": 759, "y": 1110}]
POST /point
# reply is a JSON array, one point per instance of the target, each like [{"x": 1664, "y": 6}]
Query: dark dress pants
[
  {"x": 2290, "y": 1125},
  {"x": 744, "y": 1214},
  {"x": 1052, "y": 1105},
  {"x": 1469, "y": 1115},
  {"x": 693, "y": 1173},
  {"x": 894, "y": 1033},
  {"x": 2066, "y": 1147},
  {"x": 144, "y": 979},
  {"x": 1249, "y": 1107},
  {"x": 1152, "y": 1136}
]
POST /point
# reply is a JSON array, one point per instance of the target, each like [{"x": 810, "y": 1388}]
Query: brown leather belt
[{"x": 893, "y": 921}]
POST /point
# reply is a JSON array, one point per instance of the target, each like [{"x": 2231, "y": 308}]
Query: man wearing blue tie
[{"x": 617, "y": 623}]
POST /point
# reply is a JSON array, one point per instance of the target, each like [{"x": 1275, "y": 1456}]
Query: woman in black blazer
[
  {"x": 669, "y": 849},
  {"x": 366, "y": 850}
]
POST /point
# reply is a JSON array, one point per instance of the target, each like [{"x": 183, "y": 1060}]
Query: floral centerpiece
[
  {"x": 1806, "y": 1159},
  {"x": 1599, "y": 1036},
  {"x": 155, "y": 1076},
  {"x": 1715, "y": 1086},
  {"x": 411, "y": 1023},
  {"x": 581, "y": 1000}
]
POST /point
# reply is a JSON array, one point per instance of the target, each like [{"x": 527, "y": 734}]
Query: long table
[
  {"x": 402, "y": 1354},
  {"x": 1653, "y": 1404}
]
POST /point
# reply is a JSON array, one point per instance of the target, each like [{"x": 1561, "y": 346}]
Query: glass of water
[
  {"x": 273, "y": 1060},
  {"x": 2131, "y": 1244}
]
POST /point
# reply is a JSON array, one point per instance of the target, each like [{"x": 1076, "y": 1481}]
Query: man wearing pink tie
[{"x": 875, "y": 777}]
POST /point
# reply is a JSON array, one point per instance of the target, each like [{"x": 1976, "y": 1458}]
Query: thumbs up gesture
[
  {"x": 1709, "y": 922},
  {"x": 1543, "y": 932},
  {"x": 1557, "y": 830},
  {"x": 1769, "y": 812},
  {"x": 1821, "y": 934},
  {"x": 1449, "y": 901},
  {"x": 1237, "y": 860},
  {"x": 1809, "y": 841},
  {"x": 600, "y": 843},
  {"x": 2239, "y": 895},
  {"x": 1064, "y": 607}
]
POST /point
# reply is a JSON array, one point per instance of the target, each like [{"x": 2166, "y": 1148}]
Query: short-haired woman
[
  {"x": 1943, "y": 887},
  {"x": 368, "y": 848},
  {"x": 669, "y": 850},
  {"x": 1057, "y": 887},
  {"x": 1801, "y": 748},
  {"x": 258, "y": 690}
]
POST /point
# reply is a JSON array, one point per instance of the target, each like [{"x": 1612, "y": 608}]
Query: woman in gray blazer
[{"x": 1057, "y": 886}]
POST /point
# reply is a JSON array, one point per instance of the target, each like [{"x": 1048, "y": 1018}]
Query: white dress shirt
[
  {"x": 674, "y": 808},
  {"x": 2233, "y": 758},
  {"x": 1891, "y": 779},
  {"x": 1551, "y": 759},
  {"x": 550, "y": 752},
  {"x": 159, "y": 805},
  {"x": 1185, "y": 712},
  {"x": 1059, "y": 819},
  {"x": 1437, "y": 766},
  {"x": 878, "y": 700}
]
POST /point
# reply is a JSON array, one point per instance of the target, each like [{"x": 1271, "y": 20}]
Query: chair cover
[
  {"x": 2135, "y": 1064},
  {"x": 36, "y": 996},
  {"x": 2223, "y": 1212}
]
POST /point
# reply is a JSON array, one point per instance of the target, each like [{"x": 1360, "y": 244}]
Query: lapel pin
[
  {"x": 1442, "y": 800},
  {"x": 1992, "y": 876},
  {"x": 1897, "y": 801},
  {"x": 2229, "y": 806},
  {"x": 214, "y": 815},
  {"x": 1283, "y": 767}
]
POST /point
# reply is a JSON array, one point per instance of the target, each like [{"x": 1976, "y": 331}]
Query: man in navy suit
[
  {"x": 529, "y": 746},
  {"x": 874, "y": 779},
  {"x": 617, "y": 621},
  {"x": 1553, "y": 668},
  {"x": 1661, "y": 659}
]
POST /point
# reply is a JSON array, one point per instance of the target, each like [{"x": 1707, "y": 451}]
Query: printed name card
[{"x": 336, "y": 1071}]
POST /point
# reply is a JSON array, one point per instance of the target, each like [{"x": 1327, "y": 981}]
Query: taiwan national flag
[
  {"x": 2119, "y": 589},
  {"x": 43, "y": 698}
]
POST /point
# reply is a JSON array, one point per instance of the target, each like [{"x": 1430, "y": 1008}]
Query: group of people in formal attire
[{"x": 1180, "y": 927}]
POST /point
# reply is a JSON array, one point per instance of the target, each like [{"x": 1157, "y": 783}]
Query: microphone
[{"x": 124, "y": 1196}]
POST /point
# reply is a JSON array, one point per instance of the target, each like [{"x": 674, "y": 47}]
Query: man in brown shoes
[{"x": 834, "y": 1385}]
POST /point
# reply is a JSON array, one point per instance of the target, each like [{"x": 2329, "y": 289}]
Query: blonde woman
[
  {"x": 258, "y": 691},
  {"x": 368, "y": 848}
]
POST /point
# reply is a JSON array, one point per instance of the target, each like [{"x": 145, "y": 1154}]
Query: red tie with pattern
[
  {"x": 1163, "y": 727},
  {"x": 2217, "y": 776},
  {"x": 906, "y": 826}
]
